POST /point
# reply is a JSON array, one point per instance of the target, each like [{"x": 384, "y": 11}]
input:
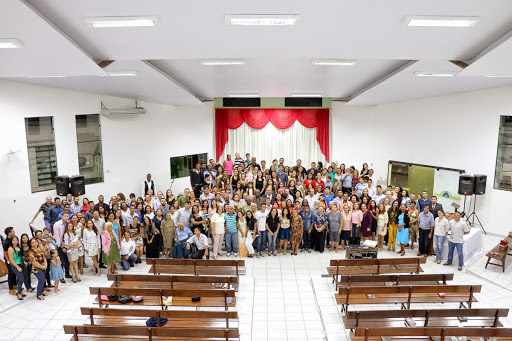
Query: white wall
[
  {"x": 456, "y": 131},
  {"x": 132, "y": 146}
]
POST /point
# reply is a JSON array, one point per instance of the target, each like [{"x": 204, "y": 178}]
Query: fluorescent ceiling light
[
  {"x": 10, "y": 44},
  {"x": 46, "y": 76},
  {"x": 439, "y": 21},
  {"x": 223, "y": 62},
  {"x": 244, "y": 95},
  {"x": 262, "y": 20},
  {"x": 435, "y": 74},
  {"x": 122, "y": 73},
  {"x": 307, "y": 95},
  {"x": 332, "y": 62},
  {"x": 102, "y": 22},
  {"x": 498, "y": 76}
]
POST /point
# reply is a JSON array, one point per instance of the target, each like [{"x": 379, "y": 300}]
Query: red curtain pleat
[{"x": 281, "y": 118}]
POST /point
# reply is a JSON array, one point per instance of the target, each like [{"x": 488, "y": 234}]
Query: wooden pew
[
  {"x": 428, "y": 333},
  {"x": 110, "y": 333},
  {"x": 176, "y": 318},
  {"x": 196, "y": 267},
  {"x": 379, "y": 266},
  {"x": 180, "y": 297},
  {"x": 173, "y": 281},
  {"x": 424, "y": 318},
  {"x": 499, "y": 254},
  {"x": 381, "y": 280},
  {"x": 407, "y": 294}
]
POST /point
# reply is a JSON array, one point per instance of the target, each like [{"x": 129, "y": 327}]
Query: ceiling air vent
[
  {"x": 303, "y": 102},
  {"x": 241, "y": 102}
]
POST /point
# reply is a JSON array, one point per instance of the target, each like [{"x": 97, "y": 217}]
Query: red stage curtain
[{"x": 281, "y": 118}]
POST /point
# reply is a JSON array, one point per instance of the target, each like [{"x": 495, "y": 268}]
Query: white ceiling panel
[
  {"x": 327, "y": 29},
  {"x": 405, "y": 85},
  {"x": 149, "y": 84},
  {"x": 276, "y": 77},
  {"x": 46, "y": 50}
]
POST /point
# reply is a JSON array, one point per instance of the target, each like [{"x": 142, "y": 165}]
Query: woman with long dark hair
[
  {"x": 284, "y": 230},
  {"x": 15, "y": 257},
  {"x": 402, "y": 235},
  {"x": 39, "y": 265},
  {"x": 92, "y": 244},
  {"x": 393, "y": 221},
  {"x": 27, "y": 267}
]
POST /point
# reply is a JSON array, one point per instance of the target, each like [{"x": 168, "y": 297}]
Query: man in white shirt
[
  {"x": 379, "y": 196},
  {"x": 99, "y": 223},
  {"x": 261, "y": 233},
  {"x": 458, "y": 228},
  {"x": 184, "y": 215},
  {"x": 207, "y": 196},
  {"x": 128, "y": 217},
  {"x": 371, "y": 190},
  {"x": 201, "y": 243},
  {"x": 147, "y": 185},
  {"x": 157, "y": 202},
  {"x": 311, "y": 198},
  {"x": 128, "y": 256}
]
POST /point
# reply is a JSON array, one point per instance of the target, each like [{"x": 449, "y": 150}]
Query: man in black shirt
[
  {"x": 102, "y": 203},
  {"x": 11, "y": 277}
]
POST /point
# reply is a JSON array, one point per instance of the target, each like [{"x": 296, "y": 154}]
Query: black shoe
[
  {"x": 63, "y": 281},
  {"x": 131, "y": 265},
  {"x": 68, "y": 276},
  {"x": 102, "y": 266}
]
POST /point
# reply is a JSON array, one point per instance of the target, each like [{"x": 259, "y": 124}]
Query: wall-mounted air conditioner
[{"x": 138, "y": 110}]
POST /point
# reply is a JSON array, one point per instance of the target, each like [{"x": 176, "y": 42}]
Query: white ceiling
[{"x": 58, "y": 42}]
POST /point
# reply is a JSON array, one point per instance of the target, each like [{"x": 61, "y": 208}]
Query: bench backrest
[
  {"x": 178, "y": 314},
  {"x": 125, "y": 332},
  {"x": 172, "y": 279},
  {"x": 427, "y": 314},
  {"x": 348, "y": 279},
  {"x": 434, "y": 331},
  {"x": 162, "y": 292},
  {"x": 378, "y": 261},
  {"x": 413, "y": 289},
  {"x": 196, "y": 262}
]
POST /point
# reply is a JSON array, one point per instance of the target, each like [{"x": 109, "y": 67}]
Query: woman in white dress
[
  {"x": 218, "y": 229},
  {"x": 382, "y": 223},
  {"x": 92, "y": 245}
]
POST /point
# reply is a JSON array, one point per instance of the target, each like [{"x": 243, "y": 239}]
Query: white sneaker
[
  {"x": 228, "y": 254},
  {"x": 235, "y": 254}
]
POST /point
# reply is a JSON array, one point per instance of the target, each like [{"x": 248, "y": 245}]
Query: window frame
[
  {"x": 499, "y": 148},
  {"x": 186, "y": 156},
  {"x": 87, "y": 180}
]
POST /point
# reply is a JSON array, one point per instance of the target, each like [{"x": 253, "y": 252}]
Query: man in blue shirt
[
  {"x": 283, "y": 176},
  {"x": 423, "y": 201},
  {"x": 179, "y": 251},
  {"x": 426, "y": 229},
  {"x": 231, "y": 234},
  {"x": 328, "y": 196},
  {"x": 308, "y": 220},
  {"x": 54, "y": 212}
]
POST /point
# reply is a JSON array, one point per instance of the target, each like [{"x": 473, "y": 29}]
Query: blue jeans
[
  {"x": 40, "y": 281},
  {"x": 179, "y": 251},
  {"x": 272, "y": 243},
  {"x": 261, "y": 240},
  {"x": 231, "y": 242},
  {"x": 131, "y": 260},
  {"x": 438, "y": 246},
  {"x": 451, "y": 247},
  {"x": 19, "y": 277}
]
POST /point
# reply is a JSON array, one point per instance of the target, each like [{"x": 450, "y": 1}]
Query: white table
[{"x": 473, "y": 244}]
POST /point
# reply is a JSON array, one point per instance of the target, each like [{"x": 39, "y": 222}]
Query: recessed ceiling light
[
  {"x": 46, "y": 76},
  {"x": 332, "y": 62},
  {"x": 10, "y": 44},
  {"x": 102, "y": 22},
  {"x": 263, "y": 20},
  {"x": 244, "y": 95},
  {"x": 122, "y": 73},
  {"x": 307, "y": 95},
  {"x": 498, "y": 76},
  {"x": 440, "y": 21},
  {"x": 435, "y": 74},
  {"x": 223, "y": 62}
]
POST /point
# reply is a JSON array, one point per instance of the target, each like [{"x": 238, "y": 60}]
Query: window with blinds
[{"x": 503, "y": 172}]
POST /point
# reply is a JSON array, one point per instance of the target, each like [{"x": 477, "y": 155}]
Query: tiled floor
[{"x": 280, "y": 298}]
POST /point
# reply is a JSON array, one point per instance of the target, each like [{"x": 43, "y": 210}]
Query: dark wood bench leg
[
  {"x": 503, "y": 263},
  {"x": 488, "y": 260}
]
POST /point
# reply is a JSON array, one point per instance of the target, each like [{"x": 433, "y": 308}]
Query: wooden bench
[
  {"x": 180, "y": 297},
  {"x": 173, "y": 281},
  {"x": 176, "y": 318},
  {"x": 498, "y": 253},
  {"x": 110, "y": 333},
  {"x": 196, "y": 267},
  {"x": 424, "y": 318},
  {"x": 428, "y": 333},
  {"x": 385, "y": 280},
  {"x": 407, "y": 294},
  {"x": 379, "y": 266}
]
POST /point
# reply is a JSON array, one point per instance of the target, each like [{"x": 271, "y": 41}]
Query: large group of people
[{"x": 253, "y": 208}]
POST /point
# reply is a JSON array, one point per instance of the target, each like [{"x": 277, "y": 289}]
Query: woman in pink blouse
[
  {"x": 357, "y": 218},
  {"x": 346, "y": 227}
]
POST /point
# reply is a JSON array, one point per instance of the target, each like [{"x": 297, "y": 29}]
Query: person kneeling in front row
[
  {"x": 128, "y": 256},
  {"x": 179, "y": 251},
  {"x": 201, "y": 243}
]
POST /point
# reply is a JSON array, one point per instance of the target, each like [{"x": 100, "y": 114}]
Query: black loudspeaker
[
  {"x": 466, "y": 184},
  {"x": 77, "y": 185},
  {"x": 62, "y": 185},
  {"x": 480, "y": 182}
]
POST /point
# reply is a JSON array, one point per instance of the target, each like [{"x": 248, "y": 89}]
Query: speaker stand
[{"x": 474, "y": 215}]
